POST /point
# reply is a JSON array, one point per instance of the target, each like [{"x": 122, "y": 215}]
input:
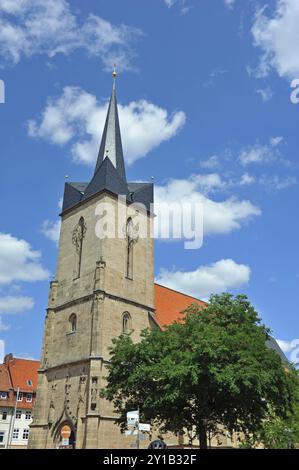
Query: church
[{"x": 104, "y": 287}]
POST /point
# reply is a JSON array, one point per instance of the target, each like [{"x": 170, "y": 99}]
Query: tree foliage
[
  {"x": 211, "y": 369},
  {"x": 277, "y": 432}
]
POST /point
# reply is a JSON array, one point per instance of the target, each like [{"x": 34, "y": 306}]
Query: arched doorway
[{"x": 66, "y": 437}]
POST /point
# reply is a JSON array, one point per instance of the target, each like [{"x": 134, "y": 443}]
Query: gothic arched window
[
  {"x": 130, "y": 244},
  {"x": 78, "y": 236},
  {"x": 126, "y": 323},
  {"x": 73, "y": 323}
]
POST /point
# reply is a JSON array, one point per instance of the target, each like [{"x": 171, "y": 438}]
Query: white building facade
[
  {"x": 14, "y": 427},
  {"x": 18, "y": 380}
]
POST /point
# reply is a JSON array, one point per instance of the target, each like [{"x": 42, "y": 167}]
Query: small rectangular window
[
  {"x": 29, "y": 383},
  {"x": 2, "y": 434},
  {"x": 18, "y": 414},
  {"x": 15, "y": 434},
  {"x": 28, "y": 414},
  {"x": 20, "y": 397},
  {"x": 29, "y": 397},
  {"x": 4, "y": 415},
  {"x": 25, "y": 434}
]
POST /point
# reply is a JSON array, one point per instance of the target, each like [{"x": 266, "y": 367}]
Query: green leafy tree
[
  {"x": 211, "y": 369},
  {"x": 278, "y": 433}
]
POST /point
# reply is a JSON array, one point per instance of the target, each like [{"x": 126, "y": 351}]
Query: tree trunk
[{"x": 202, "y": 435}]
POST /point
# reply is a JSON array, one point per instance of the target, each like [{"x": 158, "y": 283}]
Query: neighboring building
[
  {"x": 18, "y": 381},
  {"x": 272, "y": 344},
  {"x": 169, "y": 304}
]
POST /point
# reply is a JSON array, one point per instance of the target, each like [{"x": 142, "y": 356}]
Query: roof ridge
[
  {"x": 182, "y": 293},
  {"x": 25, "y": 359}
]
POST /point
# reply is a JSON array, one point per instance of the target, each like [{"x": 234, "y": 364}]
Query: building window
[
  {"x": 18, "y": 414},
  {"x": 2, "y": 434},
  {"x": 15, "y": 434},
  {"x": 130, "y": 244},
  {"x": 78, "y": 236},
  {"x": 20, "y": 397},
  {"x": 29, "y": 383},
  {"x": 4, "y": 415},
  {"x": 29, "y": 397},
  {"x": 3, "y": 395},
  {"x": 28, "y": 414},
  {"x": 73, "y": 323},
  {"x": 126, "y": 323},
  {"x": 25, "y": 434}
]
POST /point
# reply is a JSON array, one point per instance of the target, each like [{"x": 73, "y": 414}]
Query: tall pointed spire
[
  {"x": 110, "y": 174},
  {"x": 111, "y": 145}
]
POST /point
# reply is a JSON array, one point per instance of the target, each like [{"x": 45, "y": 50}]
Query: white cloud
[
  {"x": 51, "y": 229},
  {"x": 287, "y": 346},
  {"x": 265, "y": 93},
  {"x": 184, "y": 7},
  {"x": 2, "y": 350},
  {"x": 276, "y": 182},
  {"x": 77, "y": 119},
  {"x": 30, "y": 27},
  {"x": 246, "y": 180},
  {"x": 211, "y": 163},
  {"x": 213, "y": 76},
  {"x": 261, "y": 153},
  {"x": 220, "y": 217},
  {"x": 213, "y": 279},
  {"x": 275, "y": 141},
  {"x": 182, "y": 3},
  {"x": 26, "y": 355},
  {"x": 278, "y": 37},
  {"x": 229, "y": 3},
  {"x": 12, "y": 305},
  {"x": 19, "y": 262},
  {"x": 3, "y": 327},
  {"x": 256, "y": 154},
  {"x": 208, "y": 183}
]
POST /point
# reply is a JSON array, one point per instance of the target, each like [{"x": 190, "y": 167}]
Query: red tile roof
[
  {"x": 5, "y": 383},
  {"x": 22, "y": 370},
  {"x": 14, "y": 374},
  {"x": 170, "y": 303}
]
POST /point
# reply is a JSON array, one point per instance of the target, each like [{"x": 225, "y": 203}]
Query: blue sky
[{"x": 204, "y": 97}]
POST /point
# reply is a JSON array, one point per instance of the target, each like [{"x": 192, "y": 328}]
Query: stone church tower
[{"x": 104, "y": 287}]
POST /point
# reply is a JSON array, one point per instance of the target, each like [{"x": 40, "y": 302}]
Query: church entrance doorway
[{"x": 66, "y": 437}]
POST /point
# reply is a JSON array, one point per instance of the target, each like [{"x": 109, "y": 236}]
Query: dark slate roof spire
[
  {"x": 111, "y": 145},
  {"x": 110, "y": 174}
]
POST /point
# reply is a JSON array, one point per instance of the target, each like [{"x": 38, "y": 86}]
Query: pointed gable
[
  {"x": 73, "y": 193},
  {"x": 106, "y": 177}
]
